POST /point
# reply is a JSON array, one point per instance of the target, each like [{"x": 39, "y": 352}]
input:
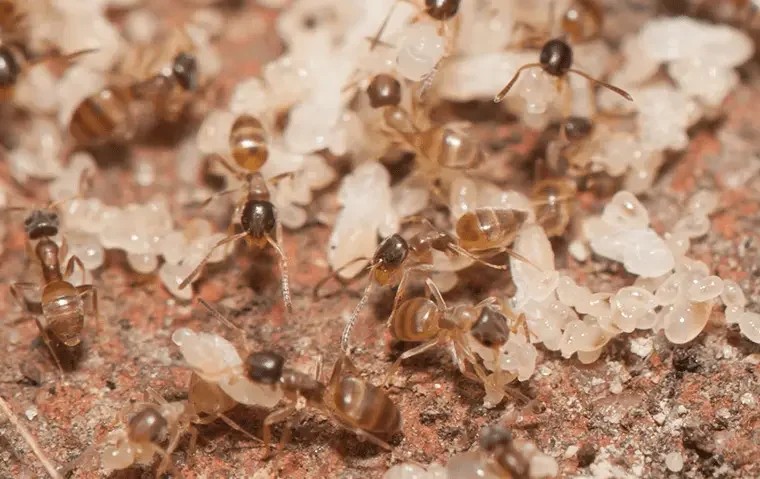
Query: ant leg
[
  {"x": 346, "y": 336},
  {"x": 88, "y": 289},
  {"x": 436, "y": 293},
  {"x": 500, "y": 96},
  {"x": 334, "y": 275},
  {"x": 74, "y": 260},
  {"x": 49, "y": 344},
  {"x": 203, "y": 262},
  {"x": 406, "y": 355},
  {"x": 193, "y": 444},
  {"x": 237, "y": 427},
  {"x": 166, "y": 462},
  {"x": 606, "y": 85},
  {"x": 277, "y": 245},
  {"x": 282, "y": 176},
  {"x": 17, "y": 291},
  {"x": 318, "y": 369},
  {"x": 370, "y": 437},
  {"x": 274, "y": 417}
]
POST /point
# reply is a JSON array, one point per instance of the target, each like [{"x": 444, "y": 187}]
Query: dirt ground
[{"x": 620, "y": 416}]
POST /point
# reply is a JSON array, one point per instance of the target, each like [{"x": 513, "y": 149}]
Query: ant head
[
  {"x": 147, "y": 425},
  {"x": 258, "y": 218},
  {"x": 493, "y": 436},
  {"x": 556, "y": 57},
  {"x": 490, "y": 329},
  {"x": 264, "y": 367},
  {"x": 41, "y": 224},
  {"x": 392, "y": 252},
  {"x": 578, "y": 127},
  {"x": 442, "y": 9},
  {"x": 185, "y": 70},
  {"x": 384, "y": 90},
  {"x": 9, "y": 68}
]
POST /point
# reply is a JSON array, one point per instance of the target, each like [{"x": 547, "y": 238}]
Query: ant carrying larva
[{"x": 351, "y": 402}]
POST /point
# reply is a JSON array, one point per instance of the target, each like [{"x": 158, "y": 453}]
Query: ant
[
  {"x": 556, "y": 59},
  {"x": 581, "y": 21},
  {"x": 15, "y": 62},
  {"x": 116, "y": 112},
  {"x": 142, "y": 435},
  {"x": 351, "y": 402},
  {"x": 258, "y": 218},
  {"x": 485, "y": 231},
  {"x": 433, "y": 323},
  {"x": 63, "y": 312}
]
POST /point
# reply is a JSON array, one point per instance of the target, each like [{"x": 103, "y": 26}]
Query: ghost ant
[
  {"x": 351, "y": 402},
  {"x": 258, "y": 218},
  {"x": 556, "y": 56},
  {"x": 433, "y": 323},
  {"x": 63, "y": 312},
  {"x": 485, "y": 231}
]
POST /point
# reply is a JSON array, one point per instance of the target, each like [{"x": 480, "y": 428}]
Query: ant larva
[
  {"x": 258, "y": 218},
  {"x": 63, "y": 308},
  {"x": 433, "y": 323},
  {"x": 117, "y": 112},
  {"x": 351, "y": 402}
]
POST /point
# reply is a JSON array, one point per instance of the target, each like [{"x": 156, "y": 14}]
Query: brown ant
[
  {"x": 116, "y": 112},
  {"x": 552, "y": 198},
  {"x": 433, "y": 323},
  {"x": 485, "y": 231},
  {"x": 348, "y": 400},
  {"x": 63, "y": 311},
  {"x": 258, "y": 218},
  {"x": 15, "y": 62},
  {"x": 506, "y": 460},
  {"x": 556, "y": 59}
]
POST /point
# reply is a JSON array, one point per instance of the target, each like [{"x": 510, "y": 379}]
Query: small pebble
[
  {"x": 674, "y": 461},
  {"x": 31, "y": 413}
]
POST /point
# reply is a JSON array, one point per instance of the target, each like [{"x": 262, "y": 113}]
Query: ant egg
[
  {"x": 686, "y": 320},
  {"x": 646, "y": 254},
  {"x": 732, "y": 294},
  {"x": 705, "y": 289},
  {"x": 749, "y": 325},
  {"x": 625, "y": 212},
  {"x": 420, "y": 50}
]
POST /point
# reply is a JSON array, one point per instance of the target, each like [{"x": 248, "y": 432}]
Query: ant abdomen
[
  {"x": 487, "y": 228},
  {"x": 416, "y": 320},
  {"x": 450, "y": 148},
  {"x": 366, "y": 406},
  {"x": 248, "y": 143},
  {"x": 63, "y": 309}
]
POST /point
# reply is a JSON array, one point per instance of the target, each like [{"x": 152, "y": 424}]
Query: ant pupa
[
  {"x": 434, "y": 323},
  {"x": 63, "y": 306},
  {"x": 258, "y": 218},
  {"x": 351, "y": 402}
]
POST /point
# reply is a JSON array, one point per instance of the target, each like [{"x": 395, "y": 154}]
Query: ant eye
[{"x": 185, "y": 69}]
